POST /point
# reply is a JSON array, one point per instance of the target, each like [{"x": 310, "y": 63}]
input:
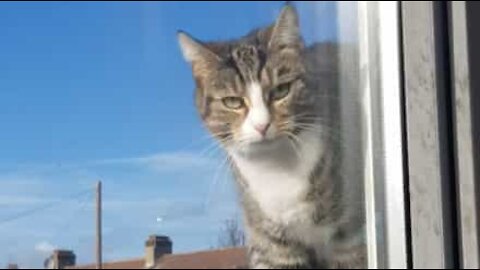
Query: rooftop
[{"x": 229, "y": 258}]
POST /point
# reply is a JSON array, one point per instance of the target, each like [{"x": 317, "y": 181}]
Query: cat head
[{"x": 251, "y": 90}]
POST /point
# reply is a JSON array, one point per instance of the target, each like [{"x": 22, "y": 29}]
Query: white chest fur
[{"x": 278, "y": 177}]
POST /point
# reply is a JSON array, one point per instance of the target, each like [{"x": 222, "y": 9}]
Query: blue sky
[{"x": 99, "y": 90}]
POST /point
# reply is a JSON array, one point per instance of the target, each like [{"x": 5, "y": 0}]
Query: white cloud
[
  {"x": 44, "y": 247},
  {"x": 11, "y": 200},
  {"x": 131, "y": 207},
  {"x": 169, "y": 161},
  {"x": 167, "y": 210}
]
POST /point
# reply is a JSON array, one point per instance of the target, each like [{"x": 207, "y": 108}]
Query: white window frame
[{"x": 380, "y": 78}]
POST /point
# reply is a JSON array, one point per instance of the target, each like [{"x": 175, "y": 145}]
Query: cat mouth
[
  {"x": 265, "y": 146},
  {"x": 267, "y": 142},
  {"x": 264, "y": 141}
]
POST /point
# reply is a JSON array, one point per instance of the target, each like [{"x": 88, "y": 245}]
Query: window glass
[{"x": 211, "y": 136}]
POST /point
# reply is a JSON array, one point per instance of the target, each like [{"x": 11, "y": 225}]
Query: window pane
[{"x": 214, "y": 127}]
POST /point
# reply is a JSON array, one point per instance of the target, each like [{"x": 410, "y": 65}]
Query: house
[{"x": 158, "y": 255}]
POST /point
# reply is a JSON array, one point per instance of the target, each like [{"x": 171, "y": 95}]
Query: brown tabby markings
[{"x": 272, "y": 57}]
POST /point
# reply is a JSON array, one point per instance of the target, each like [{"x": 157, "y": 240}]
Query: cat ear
[
  {"x": 286, "y": 32},
  {"x": 194, "y": 51}
]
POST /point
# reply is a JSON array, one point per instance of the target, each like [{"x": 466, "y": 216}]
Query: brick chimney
[
  {"x": 60, "y": 259},
  {"x": 155, "y": 247}
]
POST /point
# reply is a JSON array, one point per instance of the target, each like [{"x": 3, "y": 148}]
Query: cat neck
[
  {"x": 279, "y": 179},
  {"x": 282, "y": 155}
]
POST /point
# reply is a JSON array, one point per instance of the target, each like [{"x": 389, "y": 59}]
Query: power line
[
  {"x": 82, "y": 203},
  {"x": 43, "y": 207}
]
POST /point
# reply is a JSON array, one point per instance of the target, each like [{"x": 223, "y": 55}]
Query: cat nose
[{"x": 262, "y": 128}]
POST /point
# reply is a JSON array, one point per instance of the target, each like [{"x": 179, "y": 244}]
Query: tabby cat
[{"x": 270, "y": 102}]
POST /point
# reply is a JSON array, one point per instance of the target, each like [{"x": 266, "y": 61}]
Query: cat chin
[{"x": 262, "y": 148}]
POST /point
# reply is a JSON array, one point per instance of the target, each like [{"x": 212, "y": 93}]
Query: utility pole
[{"x": 99, "y": 225}]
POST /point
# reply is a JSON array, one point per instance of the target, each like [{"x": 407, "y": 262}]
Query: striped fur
[{"x": 297, "y": 211}]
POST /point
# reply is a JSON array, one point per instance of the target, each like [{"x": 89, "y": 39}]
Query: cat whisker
[
  {"x": 209, "y": 149},
  {"x": 214, "y": 181},
  {"x": 215, "y": 146},
  {"x": 336, "y": 97},
  {"x": 295, "y": 143},
  {"x": 332, "y": 131},
  {"x": 199, "y": 140},
  {"x": 325, "y": 131}
]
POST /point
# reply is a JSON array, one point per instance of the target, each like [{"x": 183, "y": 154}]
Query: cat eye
[
  {"x": 233, "y": 102},
  {"x": 280, "y": 92}
]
